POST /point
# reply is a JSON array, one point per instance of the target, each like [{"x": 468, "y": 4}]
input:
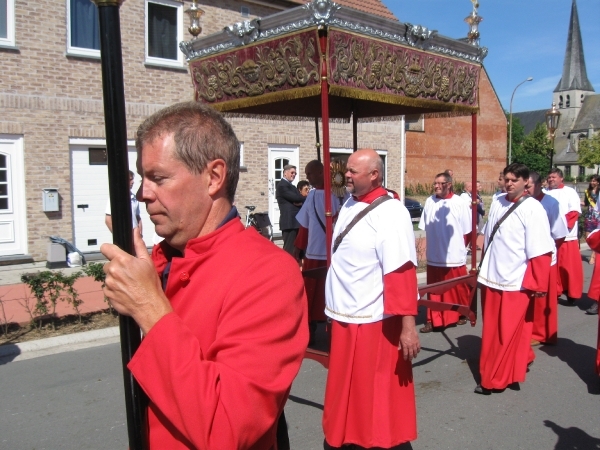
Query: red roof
[{"x": 375, "y": 7}]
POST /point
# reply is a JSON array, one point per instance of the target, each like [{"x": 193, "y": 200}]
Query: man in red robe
[
  {"x": 371, "y": 296},
  {"x": 222, "y": 310},
  {"x": 593, "y": 241},
  {"x": 447, "y": 221},
  {"x": 311, "y": 239},
  {"x": 514, "y": 270},
  {"x": 545, "y": 309},
  {"x": 570, "y": 269}
]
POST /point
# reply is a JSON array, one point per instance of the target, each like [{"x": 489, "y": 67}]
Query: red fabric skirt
[
  {"x": 594, "y": 290},
  {"x": 570, "y": 269},
  {"x": 545, "y": 312},
  {"x": 458, "y": 294},
  {"x": 315, "y": 290},
  {"x": 506, "y": 338},
  {"x": 369, "y": 397}
]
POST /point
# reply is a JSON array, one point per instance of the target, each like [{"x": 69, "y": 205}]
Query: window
[
  {"x": 83, "y": 28},
  {"x": 242, "y": 154},
  {"x": 164, "y": 31},
  {"x": 7, "y": 23},
  {"x": 568, "y": 101},
  {"x": 581, "y": 171},
  {"x": 567, "y": 171},
  {"x": 560, "y": 101},
  {"x": 414, "y": 122}
]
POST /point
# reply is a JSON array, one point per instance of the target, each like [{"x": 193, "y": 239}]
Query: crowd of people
[{"x": 225, "y": 331}]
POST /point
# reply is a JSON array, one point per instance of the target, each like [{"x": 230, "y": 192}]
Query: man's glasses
[{"x": 441, "y": 184}]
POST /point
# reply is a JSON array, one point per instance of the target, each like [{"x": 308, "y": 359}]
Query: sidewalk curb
[{"x": 57, "y": 341}]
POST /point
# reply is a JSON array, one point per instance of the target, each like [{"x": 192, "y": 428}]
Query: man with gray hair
[
  {"x": 222, "y": 310},
  {"x": 289, "y": 201}
]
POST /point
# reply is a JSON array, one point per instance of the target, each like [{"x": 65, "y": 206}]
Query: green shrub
[{"x": 49, "y": 288}]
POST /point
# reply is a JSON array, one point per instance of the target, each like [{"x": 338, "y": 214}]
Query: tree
[
  {"x": 535, "y": 150},
  {"x": 589, "y": 151},
  {"x": 518, "y": 134}
]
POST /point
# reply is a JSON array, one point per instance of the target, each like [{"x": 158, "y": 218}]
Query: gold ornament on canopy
[{"x": 338, "y": 178}]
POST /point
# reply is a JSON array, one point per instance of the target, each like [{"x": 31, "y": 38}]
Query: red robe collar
[
  {"x": 450, "y": 194},
  {"x": 370, "y": 197},
  {"x": 540, "y": 197},
  {"x": 560, "y": 186}
]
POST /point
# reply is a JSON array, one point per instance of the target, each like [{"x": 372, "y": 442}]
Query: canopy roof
[{"x": 375, "y": 67}]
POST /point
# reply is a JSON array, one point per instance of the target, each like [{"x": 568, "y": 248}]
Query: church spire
[{"x": 574, "y": 75}]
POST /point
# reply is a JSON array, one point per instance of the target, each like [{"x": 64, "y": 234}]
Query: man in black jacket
[{"x": 289, "y": 200}]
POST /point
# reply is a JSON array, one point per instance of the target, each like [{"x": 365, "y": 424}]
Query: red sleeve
[
  {"x": 228, "y": 394},
  {"x": 400, "y": 292},
  {"x": 593, "y": 240},
  {"x": 572, "y": 217},
  {"x": 537, "y": 274},
  {"x": 301, "y": 241},
  {"x": 467, "y": 238}
]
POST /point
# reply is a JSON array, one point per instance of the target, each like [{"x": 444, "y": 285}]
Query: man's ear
[{"x": 217, "y": 172}]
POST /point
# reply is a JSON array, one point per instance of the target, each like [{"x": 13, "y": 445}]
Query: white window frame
[
  {"x": 77, "y": 51},
  {"x": 9, "y": 40},
  {"x": 152, "y": 60},
  {"x": 242, "y": 154}
]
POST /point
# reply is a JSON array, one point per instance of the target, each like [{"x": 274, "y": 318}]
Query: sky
[{"x": 525, "y": 38}]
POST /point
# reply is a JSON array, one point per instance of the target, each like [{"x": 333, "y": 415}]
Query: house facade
[{"x": 53, "y": 172}]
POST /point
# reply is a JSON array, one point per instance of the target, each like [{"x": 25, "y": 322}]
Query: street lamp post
[
  {"x": 552, "y": 119},
  {"x": 510, "y": 120}
]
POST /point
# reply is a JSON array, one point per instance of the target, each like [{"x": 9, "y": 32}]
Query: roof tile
[{"x": 375, "y": 7}]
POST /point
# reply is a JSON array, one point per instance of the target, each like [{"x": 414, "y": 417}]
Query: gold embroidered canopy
[{"x": 374, "y": 67}]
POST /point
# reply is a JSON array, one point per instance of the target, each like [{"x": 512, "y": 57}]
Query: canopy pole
[
  {"x": 118, "y": 181},
  {"x": 354, "y": 128},
  {"x": 326, "y": 159},
  {"x": 318, "y": 144},
  {"x": 474, "y": 191}
]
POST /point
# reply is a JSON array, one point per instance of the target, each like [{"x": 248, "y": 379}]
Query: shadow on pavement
[
  {"x": 580, "y": 358},
  {"x": 303, "y": 401},
  {"x": 8, "y": 352},
  {"x": 572, "y": 438},
  {"x": 467, "y": 350}
]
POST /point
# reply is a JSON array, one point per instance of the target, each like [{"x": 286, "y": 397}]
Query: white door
[
  {"x": 13, "y": 226},
  {"x": 279, "y": 156},
  {"x": 90, "y": 195}
]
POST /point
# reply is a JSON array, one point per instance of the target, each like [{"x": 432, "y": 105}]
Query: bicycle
[{"x": 259, "y": 221}]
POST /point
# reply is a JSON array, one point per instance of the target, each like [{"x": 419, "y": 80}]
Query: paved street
[{"x": 73, "y": 400}]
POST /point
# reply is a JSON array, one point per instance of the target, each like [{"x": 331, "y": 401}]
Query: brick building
[{"x": 52, "y": 132}]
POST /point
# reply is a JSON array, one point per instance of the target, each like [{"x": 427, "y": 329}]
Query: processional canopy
[{"x": 375, "y": 67}]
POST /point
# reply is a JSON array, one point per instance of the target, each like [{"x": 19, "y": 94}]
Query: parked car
[{"x": 414, "y": 208}]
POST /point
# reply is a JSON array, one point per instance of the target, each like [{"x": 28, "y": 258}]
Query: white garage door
[{"x": 90, "y": 194}]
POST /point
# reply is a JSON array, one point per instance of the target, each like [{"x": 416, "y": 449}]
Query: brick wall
[{"x": 446, "y": 144}]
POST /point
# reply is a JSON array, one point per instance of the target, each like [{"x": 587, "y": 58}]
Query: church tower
[{"x": 574, "y": 85}]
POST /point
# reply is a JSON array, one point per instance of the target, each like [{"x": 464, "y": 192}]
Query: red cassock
[
  {"x": 458, "y": 294},
  {"x": 219, "y": 368},
  {"x": 545, "y": 312},
  {"x": 507, "y": 327},
  {"x": 593, "y": 241},
  {"x": 373, "y": 402},
  {"x": 570, "y": 269}
]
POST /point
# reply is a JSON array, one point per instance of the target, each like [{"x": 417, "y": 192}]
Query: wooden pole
[
  {"x": 118, "y": 177},
  {"x": 326, "y": 158}
]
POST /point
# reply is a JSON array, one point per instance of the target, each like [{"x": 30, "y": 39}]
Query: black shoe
[
  {"x": 592, "y": 310},
  {"x": 483, "y": 391},
  {"x": 570, "y": 301}
]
